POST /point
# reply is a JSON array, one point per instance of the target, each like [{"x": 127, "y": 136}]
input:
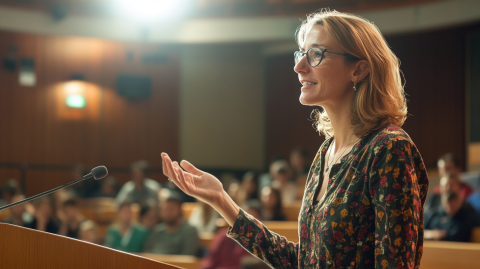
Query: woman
[{"x": 364, "y": 197}]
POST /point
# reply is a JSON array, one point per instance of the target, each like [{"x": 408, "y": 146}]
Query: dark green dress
[{"x": 370, "y": 217}]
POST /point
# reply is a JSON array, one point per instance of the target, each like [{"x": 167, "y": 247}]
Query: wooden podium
[{"x": 24, "y": 248}]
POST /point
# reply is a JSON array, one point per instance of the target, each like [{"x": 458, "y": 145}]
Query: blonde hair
[{"x": 380, "y": 97}]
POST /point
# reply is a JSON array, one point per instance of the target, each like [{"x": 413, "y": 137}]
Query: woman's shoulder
[{"x": 388, "y": 138}]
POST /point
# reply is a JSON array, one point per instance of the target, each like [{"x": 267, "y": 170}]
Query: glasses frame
[{"x": 323, "y": 50}]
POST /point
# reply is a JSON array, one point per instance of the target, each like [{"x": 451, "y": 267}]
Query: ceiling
[{"x": 216, "y": 8}]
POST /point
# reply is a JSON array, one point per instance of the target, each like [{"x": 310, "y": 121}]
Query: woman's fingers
[{"x": 191, "y": 169}]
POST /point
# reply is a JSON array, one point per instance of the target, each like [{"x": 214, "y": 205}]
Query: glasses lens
[
  {"x": 298, "y": 56},
  {"x": 315, "y": 56}
]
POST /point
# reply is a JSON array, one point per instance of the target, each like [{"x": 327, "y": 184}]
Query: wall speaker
[{"x": 133, "y": 87}]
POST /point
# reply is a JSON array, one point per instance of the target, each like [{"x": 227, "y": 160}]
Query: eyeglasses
[{"x": 315, "y": 55}]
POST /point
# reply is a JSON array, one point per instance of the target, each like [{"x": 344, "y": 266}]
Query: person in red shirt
[{"x": 224, "y": 252}]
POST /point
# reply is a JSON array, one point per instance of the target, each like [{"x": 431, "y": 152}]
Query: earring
[{"x": 354, "y": 86}]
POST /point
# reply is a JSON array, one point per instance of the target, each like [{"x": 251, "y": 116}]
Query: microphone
[{"x": 97, "y": 173}]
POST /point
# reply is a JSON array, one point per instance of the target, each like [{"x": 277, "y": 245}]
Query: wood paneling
[
  {"x": 434, "y": 67},
  {"x": 37, "y": 127}
]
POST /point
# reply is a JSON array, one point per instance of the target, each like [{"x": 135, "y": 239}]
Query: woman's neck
[{"x": 341, "y": 120}]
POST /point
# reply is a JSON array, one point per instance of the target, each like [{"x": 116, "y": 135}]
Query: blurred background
[{"x": 110, "y": 82}]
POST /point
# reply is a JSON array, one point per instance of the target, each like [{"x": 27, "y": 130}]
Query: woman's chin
[{"x": 307, "y": 100}]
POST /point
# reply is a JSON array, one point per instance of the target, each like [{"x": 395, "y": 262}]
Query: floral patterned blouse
[{"x": 371, "y": 215}]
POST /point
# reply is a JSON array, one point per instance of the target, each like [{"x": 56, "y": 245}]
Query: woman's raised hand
[
  {"x": 192, "y": 181},
  {"x": 202, "y": 186}
]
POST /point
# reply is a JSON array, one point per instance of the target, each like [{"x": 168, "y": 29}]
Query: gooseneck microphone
[{"x": 97, "y": 173}]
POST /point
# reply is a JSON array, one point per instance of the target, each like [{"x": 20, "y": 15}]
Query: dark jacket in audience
[
  {"x": 51, "y": 227},
  {"x": 458, "y": 227}
]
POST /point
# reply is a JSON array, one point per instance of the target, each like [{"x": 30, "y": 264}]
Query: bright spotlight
[{"x": 150, "y": 10}]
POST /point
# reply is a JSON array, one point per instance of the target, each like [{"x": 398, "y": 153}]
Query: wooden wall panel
[{"x": 36, "y": 127}]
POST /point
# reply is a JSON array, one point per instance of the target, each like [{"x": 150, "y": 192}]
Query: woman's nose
[{"x": 302, "y": 65}]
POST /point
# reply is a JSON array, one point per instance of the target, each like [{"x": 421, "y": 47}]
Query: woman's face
[{"x": 332, "y": 78}]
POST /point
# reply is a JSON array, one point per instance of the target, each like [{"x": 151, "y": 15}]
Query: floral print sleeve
[
  {"x": 397, "y": 197},
  {"x": 273, "y": 249}
]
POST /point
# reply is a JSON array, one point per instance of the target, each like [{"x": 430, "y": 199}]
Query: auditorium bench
[{"x": 446, "y": 255}]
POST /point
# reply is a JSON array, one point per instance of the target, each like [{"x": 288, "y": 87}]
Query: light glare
[{"x": 149, "y": 10}]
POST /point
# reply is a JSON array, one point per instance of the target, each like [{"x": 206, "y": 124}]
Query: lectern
[{"x": 22, "y": 248}]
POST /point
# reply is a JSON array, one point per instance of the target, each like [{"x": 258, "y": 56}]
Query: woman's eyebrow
[{"x": 317, "y": 45}]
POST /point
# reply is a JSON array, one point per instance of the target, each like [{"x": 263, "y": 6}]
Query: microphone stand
[{"x": 97, "y": 173}]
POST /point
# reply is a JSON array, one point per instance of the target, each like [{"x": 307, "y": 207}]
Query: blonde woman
[{"x": 365, "y": 192}]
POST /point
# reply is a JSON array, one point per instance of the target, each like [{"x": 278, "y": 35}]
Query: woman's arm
[
  {"x": 398, "y": 186},
  {"x": 246, "y": 230}
]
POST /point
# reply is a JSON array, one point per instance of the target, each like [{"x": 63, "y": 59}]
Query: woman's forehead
[{"x": 316, "y": 36}]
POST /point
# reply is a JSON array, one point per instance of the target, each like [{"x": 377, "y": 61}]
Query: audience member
[
  {"x": 86, "y": 188},
  {"x": 185, "y": 198},
  {"x": 252, "y": 263},
  {"x": 88, "y": 232},
  {"x": 8, "y": 190},
  {"x": 109, "y": 188},
  {"x": 450, "y": 164},
  {"x": 233, "y": 190},
  {"x": 448, "y": 183},
  {"x": 281, "y": 178},
  {"x": 224, "y": 252},
  {"x": 453, "y": 221},
  {"x": 474, "y": 201},
  {"x": 123, "y": 234},
  {"x": 299, "y": 162},
  {"x": 248, "y": 188},
  {"x": 149, "y": 216},
  {"x": 70, "y": 217},
  {"x": 140, "y": 188},
  {"x": 44, "y": 216},
  {"x": 174, "y": 236},
  {"x": 18, "y": 215},
  {"x": 271, "y": 199},
  {"x": 204, "y": 218}
]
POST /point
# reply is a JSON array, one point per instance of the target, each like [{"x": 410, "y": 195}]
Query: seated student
[
  {"x": 71, "y": 218},
  {"x": 281, "y": 178},
  {"x": 88, "y": 232},
  {"x": 272, "y": 209},
  {"x": 453, "y": 221},
  {"x": 44, "y": 217},
  {"x": 149, "y": 216},
  {"x": 123, "y": 234},
  {"x": 18, "y": 215},
  {"x": 450, "y": 164},
  {"x": 140, "y": 189},
  {"x": 224, "y": 252},
  {"x": 86, "y": 188},
  {"x": 248, "y": 188},
  {"x": 109, "y": 188},
  {"x": 299, "y": 162},
  {"x": 174, "y": 236},
  {"x": 448, "y": 183},
  {"x": 474, "y": 200},
  {"x": 7, "y": 191},
  {"x": 253, "y": 263},
  {"x": 204, "y": 218}
]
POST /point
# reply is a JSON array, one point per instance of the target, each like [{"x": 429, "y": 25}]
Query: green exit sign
[{"x": 76, "y": 101}]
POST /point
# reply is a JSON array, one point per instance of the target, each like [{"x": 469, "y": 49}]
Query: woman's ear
[{"x": 362, "y": 69}]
